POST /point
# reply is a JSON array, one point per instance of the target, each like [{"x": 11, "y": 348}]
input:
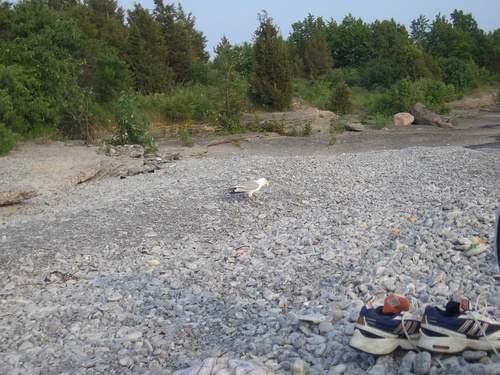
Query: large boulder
[
  {"x": 403, "y": 118},
  {"x": 423, "y": 116},
  {"x": 418, "y": 111}
]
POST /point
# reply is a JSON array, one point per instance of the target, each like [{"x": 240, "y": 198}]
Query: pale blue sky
[{"x": 237, "y": 20}]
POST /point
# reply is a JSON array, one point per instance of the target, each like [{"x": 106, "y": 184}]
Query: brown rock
[
  {"x": 403, "y": 118},
  {"x": 431, "y": 119},
  {"x": 453, "y": 121}
]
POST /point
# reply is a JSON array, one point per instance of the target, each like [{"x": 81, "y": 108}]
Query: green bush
[
  {"x": 380, "y": 73},
  {"x": 349, "y": 75},
  {"x": 382, "y": 121},
  {"x": 459, "y": 73},
  {"x": 340, "y": 99},
  {"x": 182, "y": 105},
  {"x": 398, "y": 98},
  {"x": 131, "y": 126},
  {"x": 186, "y": 138},
  {"x": 8, "y": 140},
  {"x": 434, "y": 94},
  {"x": 307, "y": 129},
  {"x": 315, "y": 93}
]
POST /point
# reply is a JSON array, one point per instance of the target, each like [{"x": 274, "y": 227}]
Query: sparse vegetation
[
  {"x": 337, "y": 128},
  {"x": 307, "y": 129},
  {"x": 382, "y": 122},
  {"x": 186, "y": 138}
]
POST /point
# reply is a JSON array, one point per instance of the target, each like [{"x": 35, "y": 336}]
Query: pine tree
[
  {"x": 185, "y": 44},
  {"x": 309, "y": 48},
  {"x": 147, "y": 52},
  {"x": 271, "y": 73}
]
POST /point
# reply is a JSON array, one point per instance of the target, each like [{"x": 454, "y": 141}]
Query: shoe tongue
[
  {"x": 393, "y": 304},
  {"x": 454, "y": 307}
]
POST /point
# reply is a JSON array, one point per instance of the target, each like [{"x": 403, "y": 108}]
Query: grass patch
[
  {"x": 337, "y": 128},
  {"x": 186, "y": 138},
  {"x": 382, "y": 121}
]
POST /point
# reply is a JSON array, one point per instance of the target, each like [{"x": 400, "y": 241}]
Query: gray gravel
[{"x": 156, "y": 273}]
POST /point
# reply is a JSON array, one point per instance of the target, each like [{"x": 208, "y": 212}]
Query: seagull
[{"x": 249, "y": 187}]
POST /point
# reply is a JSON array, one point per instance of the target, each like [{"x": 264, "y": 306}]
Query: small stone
[
  {"x": 313, "y": 318},
  {"x": 470, "y": 355},
  {"x": 299, "y": 367},
  {"x": 114, "y": 297},
  {"x": 154, "y": 366},
  {"x": 126, "y": 361},
  {"x": 422, "y": 363}
]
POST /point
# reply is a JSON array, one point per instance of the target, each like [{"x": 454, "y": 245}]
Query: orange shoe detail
[{"x": 393, "y": 304}]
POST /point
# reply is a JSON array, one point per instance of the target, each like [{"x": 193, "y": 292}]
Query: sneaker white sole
[
  {"x": 453, "y": 343},
  {"x": 381, "y": 346}
]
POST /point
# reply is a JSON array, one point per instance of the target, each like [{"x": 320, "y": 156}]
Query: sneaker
[
  {"x": 457, "y": 328},
  {"x": 381, "y": 330}
]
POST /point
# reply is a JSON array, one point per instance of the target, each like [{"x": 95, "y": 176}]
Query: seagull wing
[{"x": 247, "y": 187}]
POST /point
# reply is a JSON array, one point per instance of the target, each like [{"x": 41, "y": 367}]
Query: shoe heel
[
  {"x": 440, "y": 344},
  {"x": 380, "y": 346}
]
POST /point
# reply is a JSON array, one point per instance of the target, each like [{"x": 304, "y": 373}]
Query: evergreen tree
[
  {"x": 147, "y": 52},
  {"x": 271, "y": 73},
  {"x": 308, "y": 48},
  {"x": 231, "y": 84},
  {"x": 185, "y": 45},
  {"x": 103, "y": 20}
]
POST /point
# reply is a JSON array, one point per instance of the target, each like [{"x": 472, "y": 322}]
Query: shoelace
[
  {"x": 484, "y": 312},
  {"x": 415, "y": 308}
]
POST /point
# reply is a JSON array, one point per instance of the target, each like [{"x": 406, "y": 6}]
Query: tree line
[{"x": 69, "y": 68}]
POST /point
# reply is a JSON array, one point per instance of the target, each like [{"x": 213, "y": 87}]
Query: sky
[{"x": 238, "y": 20}]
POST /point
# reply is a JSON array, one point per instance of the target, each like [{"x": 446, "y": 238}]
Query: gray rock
[
  {"x": 355, "y": 127},
  {"x": 422, "y": 363}
]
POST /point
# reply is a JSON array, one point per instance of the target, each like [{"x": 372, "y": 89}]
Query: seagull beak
[{"x": 267, "y": 183}]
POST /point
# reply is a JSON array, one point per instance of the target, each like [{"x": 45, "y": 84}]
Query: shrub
[
  {"x": 459, "y": 73},
  {"x": 337, "y": 128},
  {"x": 315, "y": 93},
  {"x": 182, "y": 105},
  {"x": 349, "y": 75},
  {"x": 340, "y": 100},
  {"x": 382, "y": 121},
  {"x": 307, "y": 129},
  {"x": 380, "y": 73},
  {"x": 434, "y": 94},
  {"x": 8, "y": 140},
  {"x": 186, "y": 138},
  {"x": 131, "y": 126},
  {"x": 399, "y": 98}
]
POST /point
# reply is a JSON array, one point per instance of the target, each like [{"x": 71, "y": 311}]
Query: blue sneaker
[
  {"x": 380, "y": 333},
  {"x": 457, "y": 328}
]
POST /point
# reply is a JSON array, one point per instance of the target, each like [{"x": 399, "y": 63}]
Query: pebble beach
[{"x": 156, "y": 273}]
